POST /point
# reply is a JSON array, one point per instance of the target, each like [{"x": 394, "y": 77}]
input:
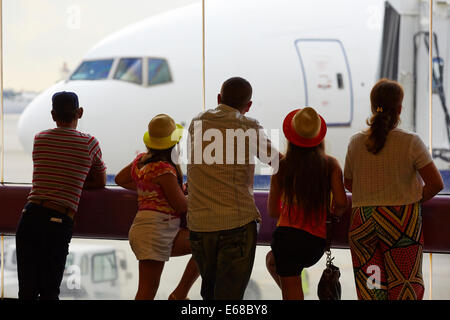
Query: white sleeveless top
[{"x": 390, "y": 177}]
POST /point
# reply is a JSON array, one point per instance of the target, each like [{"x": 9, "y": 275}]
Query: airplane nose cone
[{"x": 36, "y": 117}]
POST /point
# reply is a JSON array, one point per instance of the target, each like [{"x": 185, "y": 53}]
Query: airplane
[{"x": 321, "y": 53}]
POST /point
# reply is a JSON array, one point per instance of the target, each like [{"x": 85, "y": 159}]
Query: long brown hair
[
  {"x": 385, "y": 98},
  {"x": 304, "y": 180},
  {"x": 155, "y": 155}
]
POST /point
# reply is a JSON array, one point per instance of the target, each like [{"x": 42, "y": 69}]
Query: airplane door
[{"x": 327, "y": 79}]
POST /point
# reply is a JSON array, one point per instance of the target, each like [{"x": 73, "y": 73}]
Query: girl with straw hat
[
  {"x": 155, "y": 234},
  {"x": 299, "y": 198}
]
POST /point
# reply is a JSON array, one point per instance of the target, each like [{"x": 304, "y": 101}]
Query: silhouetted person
[
  {"x": 383, "y": 170},
  {"x": 65, "y": 161},
  {"x": 222, "y": 214},
  {"x": 300, "y": 196}
]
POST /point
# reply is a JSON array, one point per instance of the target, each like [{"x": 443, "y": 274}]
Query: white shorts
[{"x": 152, "y": 234}]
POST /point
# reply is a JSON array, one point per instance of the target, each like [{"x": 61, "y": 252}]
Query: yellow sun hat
[{"x": 163, "y": 133}]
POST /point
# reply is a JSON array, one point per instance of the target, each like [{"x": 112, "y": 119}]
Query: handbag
[{"x": 329, "y": 287}]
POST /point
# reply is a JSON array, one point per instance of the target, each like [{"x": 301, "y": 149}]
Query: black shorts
[{"x": 295, "y": 249}]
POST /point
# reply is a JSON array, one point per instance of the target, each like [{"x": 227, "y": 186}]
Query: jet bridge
[{"x": 405, "y": 58}]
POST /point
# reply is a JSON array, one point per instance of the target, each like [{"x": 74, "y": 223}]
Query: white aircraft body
[
  {"x": 322, "y": 53},
  {"x": 319, "y": 53}
]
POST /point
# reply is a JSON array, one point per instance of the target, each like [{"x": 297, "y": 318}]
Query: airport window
[
  {"x": 84, "y": 265},
  {"x": 129, "y": 70},
  {"x": 104, "y": 267},
  {"x": 93, "y": 70},
  {"x": 69, "y": 260},
  {"x": 382, "y": 38},
  {"x": 158, "y": 71}
]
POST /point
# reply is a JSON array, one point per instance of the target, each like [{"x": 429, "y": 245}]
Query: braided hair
[{"x": 386, "y": 98}]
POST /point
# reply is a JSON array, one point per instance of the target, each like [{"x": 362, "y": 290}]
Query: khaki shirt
[{"x": 223, "y": 146}]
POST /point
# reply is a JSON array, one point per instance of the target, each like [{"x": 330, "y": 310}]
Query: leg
[
  {"x": 367, "y": 255},
  {"x": 182, "y": 246},
  {"x": 190, "y": 275},
  {"x": 236, "y": 254},
  {"x": 204, "y": 252},
  {"x": 27, "y": 260},
  {"x": 291, "y": 288},
  {"x": 149, "y": 276},
  {"x": 56, "y": 241},
  {"x": 404, "y": 253},
  {"x": 292, "y": 251},
  {"x": 405, "y": 266},
  {"x": 270, "y": 265}
]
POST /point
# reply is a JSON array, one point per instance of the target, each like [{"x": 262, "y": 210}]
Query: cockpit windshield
[
  {"x": 93, "y": 70},
  {"x": 158, "y": 71},
  {"x": 130, "y": 70}
]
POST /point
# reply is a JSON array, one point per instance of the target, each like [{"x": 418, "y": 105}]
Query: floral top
[{"x": 150, "y": 195}]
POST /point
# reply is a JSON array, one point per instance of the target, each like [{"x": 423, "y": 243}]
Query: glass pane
[
  {"x": 93, "y": 70},
  {"x": 130, "y": 70},
  {"x": 125, "y": 33},
  {"x": 419, "y": 82},
  {"x": 158, "y": 71},
  {"x": 104, "y": 267},
  {"x": 95, "y": 260}
]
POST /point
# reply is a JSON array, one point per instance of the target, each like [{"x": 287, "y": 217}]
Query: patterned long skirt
[{"x": 386, "y": 244}]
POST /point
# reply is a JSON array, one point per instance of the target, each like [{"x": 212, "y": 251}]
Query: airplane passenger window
[
  {"x": 158, "y": 71},
  {"x": 130, "y": 70},
  {"x": 93, "y": 70}
]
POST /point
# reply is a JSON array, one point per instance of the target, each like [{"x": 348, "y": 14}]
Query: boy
[{"x": 65, "y": 161}]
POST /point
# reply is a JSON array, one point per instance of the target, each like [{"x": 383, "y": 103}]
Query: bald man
[{"x": 222, "y": 215}]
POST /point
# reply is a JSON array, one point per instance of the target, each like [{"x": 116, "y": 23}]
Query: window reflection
[
  {"x": 130, "y": 70},
  {"x": 104, "y": 267},
  {"x": 93, "y": 70},
  {"x": 158, "y": 71},
  {"x": 109, "y": 270}
]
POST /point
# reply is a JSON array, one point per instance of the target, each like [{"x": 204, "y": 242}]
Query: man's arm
[
  {"x": 95, "y": 179},
  {"x": 266, "y": 152}
]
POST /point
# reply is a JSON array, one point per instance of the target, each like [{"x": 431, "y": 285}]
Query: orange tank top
[{"x": 295, "y": 218}]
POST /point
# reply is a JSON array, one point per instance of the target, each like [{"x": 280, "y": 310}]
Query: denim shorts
[{"x": 294, "y": 250}]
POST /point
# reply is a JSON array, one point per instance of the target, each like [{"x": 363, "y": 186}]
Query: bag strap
[{"x": 329, "y": 227}]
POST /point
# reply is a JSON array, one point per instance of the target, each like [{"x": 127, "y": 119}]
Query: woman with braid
[{"x": 390, "y": 173}]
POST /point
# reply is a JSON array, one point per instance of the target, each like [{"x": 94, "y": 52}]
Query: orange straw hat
[
  {"x": 304, "y": 127},
  {"x": 163, "y": 133}
]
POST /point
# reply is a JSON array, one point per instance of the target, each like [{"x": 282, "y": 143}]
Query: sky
[{"x": 39, "y": 36}]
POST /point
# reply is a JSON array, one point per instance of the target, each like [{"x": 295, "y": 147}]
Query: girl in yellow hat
[{"x": 156, "y": 233}]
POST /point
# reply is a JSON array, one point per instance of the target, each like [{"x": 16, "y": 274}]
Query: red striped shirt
[{"x": 62, "y": 159}]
